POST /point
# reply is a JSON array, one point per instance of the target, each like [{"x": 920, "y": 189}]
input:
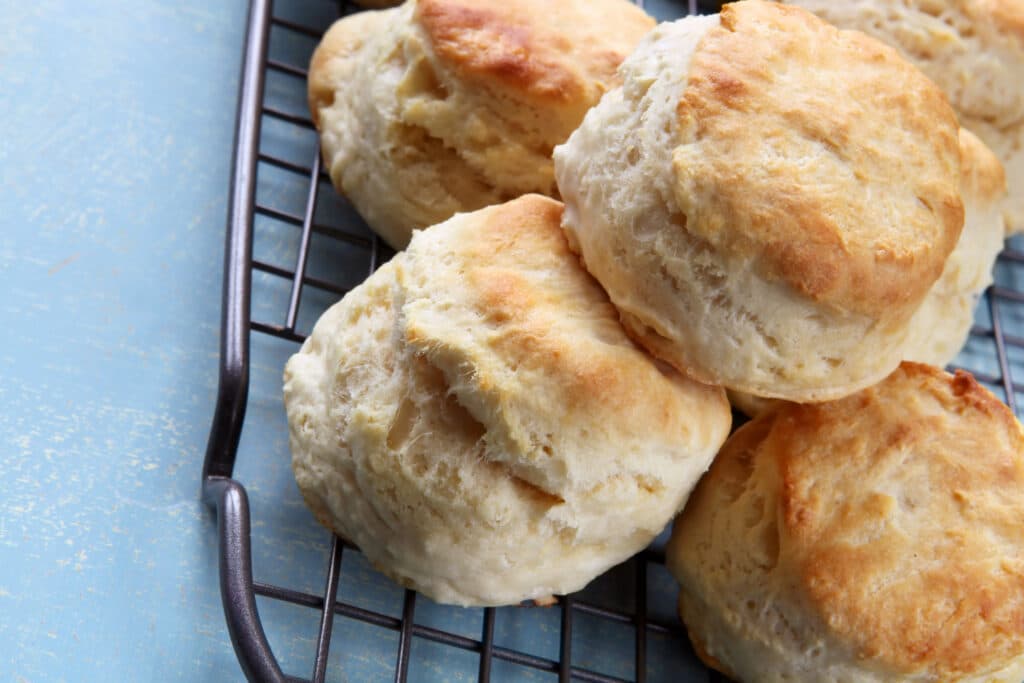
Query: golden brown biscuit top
[
  {"x": 565, "y": 51},
  {"x": 1006, "y": 15},
  {"x": 983, "y": 178},
  {"x": 821, "y": 156},
  {"x": 533, "y": 348},
  {"x": 901, "y": 511},
  {"x": 545, "y": 312}
]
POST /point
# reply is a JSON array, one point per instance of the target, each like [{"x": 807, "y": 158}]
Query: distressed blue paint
[{"x": 117, "y": 123}]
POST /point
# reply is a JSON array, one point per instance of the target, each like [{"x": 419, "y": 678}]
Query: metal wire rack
[{"x": 272, "y": 97}]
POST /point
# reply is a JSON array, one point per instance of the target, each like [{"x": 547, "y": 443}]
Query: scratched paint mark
[{"x": 63, "y": 264}]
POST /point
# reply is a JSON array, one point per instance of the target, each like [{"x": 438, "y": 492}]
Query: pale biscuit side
[{"x": 441, "y": 106}]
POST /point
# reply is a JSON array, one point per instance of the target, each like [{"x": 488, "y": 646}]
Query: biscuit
[
  {"x": 476, "y": 420},
  {"x": 766, "y": 199},
  {"x": 442, "y": 106},
  {"x": 875, "y": 538},
  {"x": 973, "y": 50},
  {"x": 941, "y": 325}
]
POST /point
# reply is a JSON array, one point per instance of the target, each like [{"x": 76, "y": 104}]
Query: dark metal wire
[
  {"x": 326, "y": 230},
  {"x": 298, "y": 28},
  {"x": 281, "y": 115},
  {"x": 277, "y": 331},
  {"x": 1004, "y": 367},
  {"x": 298, "y": 169},
  {"x": 487, "y": 646},
  {"x": 640, "y": 567},
  {"x": 623, "y": 617},
  {"x": 565, "y": 647},
  {"x": 238, "y": 588},
  {"x": 323, "y": 639},
  {"x": 325, "y": 285},
  {"x": 307, "y": 233},
  {"x": 375, "y": 252},
  {"x": 274, "y": 65},
  {"x": 405, "y": 637}
]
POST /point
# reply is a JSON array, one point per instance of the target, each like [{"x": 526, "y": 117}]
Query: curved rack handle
[
  {"x": 233, "y": 385},
  {"x": 218, "y": 489},
  {"x": 236, "y": 586}
]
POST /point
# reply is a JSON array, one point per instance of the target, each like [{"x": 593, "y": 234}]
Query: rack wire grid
[{"x": 293, "y": 248}]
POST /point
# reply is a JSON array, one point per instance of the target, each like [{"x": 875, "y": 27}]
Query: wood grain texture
[{"x": 118, "y": 121}]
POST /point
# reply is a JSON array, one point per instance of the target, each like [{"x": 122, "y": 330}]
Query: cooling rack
[{"x": 294, "y": 247}]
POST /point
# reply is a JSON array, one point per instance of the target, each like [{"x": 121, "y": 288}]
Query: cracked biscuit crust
[
  {"x": 767, "y": 200},
  {"x": 475, "y": 418},
  {"x": 973, "y": 50},
  {"x": 886, "y": 536},
  {"x": 443, "y": 106}
]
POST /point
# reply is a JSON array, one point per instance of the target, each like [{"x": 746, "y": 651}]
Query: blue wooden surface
[{"x": 117, "y": 124}]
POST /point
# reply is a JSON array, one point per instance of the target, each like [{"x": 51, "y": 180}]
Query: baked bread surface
[
  {"x": 941, "y": 325},
  {"x": 875, "y": 538},
  {"x": 476, "y": 420},
  {"x": 442, "y": 106},
  {"x": 766, "y": 199},
  {"x": 811, "y": 189},
  {"x": 973, "y": 50}
]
